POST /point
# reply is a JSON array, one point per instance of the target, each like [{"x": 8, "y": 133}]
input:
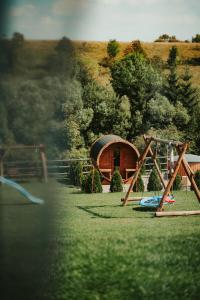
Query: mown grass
[
  {"x": 79, "y": 246},
  {"x": 114, "y": 252}
]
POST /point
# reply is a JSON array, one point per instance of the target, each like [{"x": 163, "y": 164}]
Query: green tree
[
  {"x": 76, "y": 173},
  {"x": 157, "y": 62},
  {"x": 172, "y": 86},
  {"x": 113, "y": 48},
  {"x": 134, "y": 77},
  {"x": 173, "y": 56},
  {"x": 139, "y": 186},
  {"x": 188, "y": 94},
  {"x": 73, "y": 136},
  {"x": 160, "y": 112},
  {"x": 164, "y": 37},
  {"x": 137, "y": 47},
  {"x": 154, "y": 182},
  {"x": 71, "y": 97},
  {"x": 181, "y": 117},
  {"x": 63, "y": 62},
  {"x": 104, "y": 112},
  {"x": 121, "y": 117},
  {"x": 177, "y": 183},
  {"x": 116, "y": 182},
  {"x": 93, "y": 182},
  {"x": 196, "y": 38},
  {"x": 16, "y": 53},
  {"x": 197, "y": 178},
  {"x": 193, "y": 129},
  {"x": 4, "y": 55}
]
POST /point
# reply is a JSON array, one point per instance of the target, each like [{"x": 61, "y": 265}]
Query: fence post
[{"x": 44, "y": 163}]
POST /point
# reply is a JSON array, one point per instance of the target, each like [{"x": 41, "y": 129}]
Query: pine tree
[
  {"x": 177, "y": 183},
  {"x": 112, "y": 48},
  {"x": 139, "y": 185},
  {"x": 116, "y": 182},
  {"x": 76, "y": 172},
  {"x": 93, "y": 182},
  {"x": 172, "y": 88},
  {"x": 187, "y": 93},
  {"x": 197, "y": 179},
  {"x": 137, "y": 47},
  {"x": 154, "y": 182},
  {"x": 173, "y": 57}
]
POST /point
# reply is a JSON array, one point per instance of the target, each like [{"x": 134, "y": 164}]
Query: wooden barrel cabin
[{"x": 110, "y": 152}]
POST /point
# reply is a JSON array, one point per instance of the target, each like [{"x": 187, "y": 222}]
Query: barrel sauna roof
[{"x": 105, "y": 141}]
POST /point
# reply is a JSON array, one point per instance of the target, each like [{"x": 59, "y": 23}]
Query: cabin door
[
  {"x": 116, "y": 158},
  {"x": 127, "y": 163}
]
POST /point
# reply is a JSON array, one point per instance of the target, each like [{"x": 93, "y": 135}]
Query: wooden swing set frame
[{"x": 181, "y": 150}]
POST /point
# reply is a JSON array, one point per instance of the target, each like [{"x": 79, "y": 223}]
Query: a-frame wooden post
[
  {"x": 135, "y": 176},
  {"x": 190, "y": 175},
  {"x": 181, "y": 149},
  {"x": 155, "y": 163}
]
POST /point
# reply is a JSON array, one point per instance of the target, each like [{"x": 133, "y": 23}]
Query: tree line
[{"x": 173, "y": 39}]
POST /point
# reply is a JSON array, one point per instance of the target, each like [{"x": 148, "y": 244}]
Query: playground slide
[
  {"x": 154, "y": 201},
  {"x": 23, "y": 191}
]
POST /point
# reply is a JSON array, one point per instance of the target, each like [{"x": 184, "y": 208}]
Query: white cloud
[{"x": 23, "y": 10}]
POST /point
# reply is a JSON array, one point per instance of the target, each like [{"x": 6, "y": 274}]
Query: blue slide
[{"x": 24, "y": 192}]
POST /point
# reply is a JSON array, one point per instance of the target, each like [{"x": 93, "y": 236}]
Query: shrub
[
  {"x": 196, "y": 38},
  {"x": 177, "y": 183},
  {"x": 106, "y": 62},
  {"x": 157, "y": 62},
  {"x": 83, "y": 182},
  {"x": 197, "y": 179},
  {"x": 87, "y": 182},
  {"x": 116, "y": 182},
  {"x": 112, "y": 48},
  {"x": 173, "y": 56},
  {"x": 76, "y": 173},
  {"x": 154, "y": 181},
  {"x": 139, "y": 186}
]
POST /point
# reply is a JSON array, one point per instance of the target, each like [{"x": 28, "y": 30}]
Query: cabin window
[{"x": 116, "y": 157}]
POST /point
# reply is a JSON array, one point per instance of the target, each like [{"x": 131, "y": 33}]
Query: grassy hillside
[{"x": 91, "y": 53}]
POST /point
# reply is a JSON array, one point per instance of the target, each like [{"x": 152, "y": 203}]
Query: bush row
[{"x": 91, "y": 183}]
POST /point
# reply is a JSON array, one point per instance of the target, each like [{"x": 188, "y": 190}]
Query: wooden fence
[{"x": 58, "y": 169}]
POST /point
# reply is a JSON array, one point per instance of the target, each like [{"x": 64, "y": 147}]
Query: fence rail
[{"x": 57, "y": 168}]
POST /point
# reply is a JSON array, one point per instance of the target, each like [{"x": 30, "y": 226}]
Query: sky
[{"x": 102, "y": 20}]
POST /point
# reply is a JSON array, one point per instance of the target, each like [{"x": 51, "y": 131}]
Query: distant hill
[{"x": 91, "y": 53}]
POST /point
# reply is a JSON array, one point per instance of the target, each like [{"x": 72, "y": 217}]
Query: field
[
  {"x": 92, "y": 53},
  {"x": 81, "y": 246}
]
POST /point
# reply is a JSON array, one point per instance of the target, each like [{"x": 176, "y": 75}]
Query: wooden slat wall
[{"x": 194, "y": 166}]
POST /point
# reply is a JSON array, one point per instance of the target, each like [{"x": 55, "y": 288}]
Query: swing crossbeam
[
  {"x": 163, "y": 141},
  {"x": 181, "y": 150}
]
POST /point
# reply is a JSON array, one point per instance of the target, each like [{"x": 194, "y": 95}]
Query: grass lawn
[
  {"x": 80, "y": 246},
  {"x": 114, "y": 252}
]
